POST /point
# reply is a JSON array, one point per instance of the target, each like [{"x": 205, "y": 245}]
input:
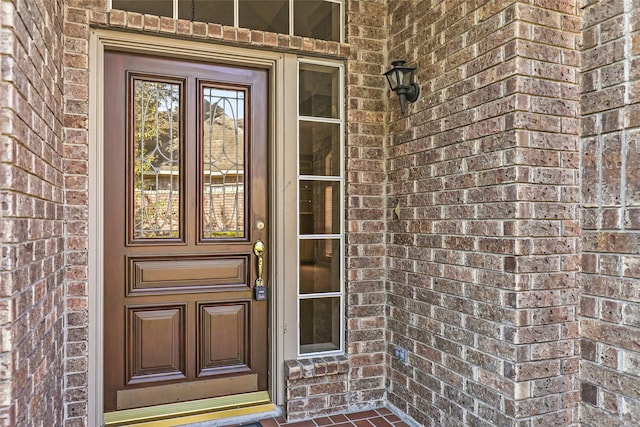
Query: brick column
[
  {"x": 31, "y": 214},
  {"x": 483, "y": 259},
  {"x": 610, "y": 303},
  {"x": 365, "y": 202}
]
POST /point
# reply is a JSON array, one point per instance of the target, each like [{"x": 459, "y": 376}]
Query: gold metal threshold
[{"x": 175, "y": 414}]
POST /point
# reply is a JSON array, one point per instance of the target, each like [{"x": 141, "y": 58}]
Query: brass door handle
[{"x": 258, "y": 249}]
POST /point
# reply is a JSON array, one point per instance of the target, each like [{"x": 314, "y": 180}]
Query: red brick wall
[
  {"x": 31, "y": 215},
  {"x": 483, "y": 259},
  {"x": 610, "y": 302}
]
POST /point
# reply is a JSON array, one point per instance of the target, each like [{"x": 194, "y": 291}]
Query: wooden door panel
[
  {"x": 223, "y": 339},
  {"x": 185, "y": 182},
  {"x": 187, "y": 274},
  {"x": 156, "y": 341}
]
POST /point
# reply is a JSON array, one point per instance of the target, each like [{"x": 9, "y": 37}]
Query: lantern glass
[
  {"x": 404, "y": 76},
  {"x": 392, "y": 79}
]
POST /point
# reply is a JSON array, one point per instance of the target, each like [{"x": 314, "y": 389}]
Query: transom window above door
[{"x": 320, "y": 19}]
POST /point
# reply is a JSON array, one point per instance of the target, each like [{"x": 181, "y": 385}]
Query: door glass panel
[
  {"x": 319, "y": 266},
  {"x": 155, "y": 7},
  {"x": 318, "y": 91},
  {"x": 223, "y": 181},
  {"x": 319, "y": 324},
  {"x": 319, "y": 148},
  {"x": 218, "y": 11},
  {"x": 319, "y": 207},
  {"x": 317, "y": 19},
  {"x": 265, "y": 15},
  {"x": 156, "y": 153}
]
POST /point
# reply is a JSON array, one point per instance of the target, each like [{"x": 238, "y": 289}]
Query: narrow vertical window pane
[
  {"x": 218, "y": 11},
  {"x": 318, "y": 19},
  {"x": 319, "y": 207},
  {"x": 318, "y": 91},
  {"x": 265, "y": 15},
  {"x": 151, "y": 7},
  {"x": 156, "y": 154},
  {"x": 319, "y": 148},
  {"x": 319, "y": 266},
  {"x": 319, "y": 325},
  {"x": 223, "y": 181}
]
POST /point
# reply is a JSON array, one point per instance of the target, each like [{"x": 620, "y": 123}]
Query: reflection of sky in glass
[{"x": 231, "y": 101}]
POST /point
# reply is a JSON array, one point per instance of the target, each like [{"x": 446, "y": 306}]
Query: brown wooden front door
[{"x": 185, "y": 196}]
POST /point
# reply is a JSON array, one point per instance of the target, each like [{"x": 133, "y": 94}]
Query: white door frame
[{"x": 282, "y": 176}]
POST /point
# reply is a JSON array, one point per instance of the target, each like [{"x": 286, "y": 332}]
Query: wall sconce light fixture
[{"x": 400, "y": 80}]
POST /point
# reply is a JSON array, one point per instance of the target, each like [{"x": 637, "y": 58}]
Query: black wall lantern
[{"x": 400, "y": 80}]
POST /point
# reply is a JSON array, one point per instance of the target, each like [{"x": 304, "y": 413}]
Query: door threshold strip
[{"x": 175, "y": 414}]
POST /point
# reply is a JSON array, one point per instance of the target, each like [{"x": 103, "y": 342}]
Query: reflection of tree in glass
[
  {"x": 156, "y": 125},
  {"x": 223, "y": 157}
]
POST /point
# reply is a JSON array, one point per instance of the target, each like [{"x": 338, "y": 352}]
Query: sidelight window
[
  {"x": 320, "y": 19},
  {"x": 320, "y": 209}
]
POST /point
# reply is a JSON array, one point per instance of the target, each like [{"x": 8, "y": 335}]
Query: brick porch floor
[{"x": 372, "y": 418}]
